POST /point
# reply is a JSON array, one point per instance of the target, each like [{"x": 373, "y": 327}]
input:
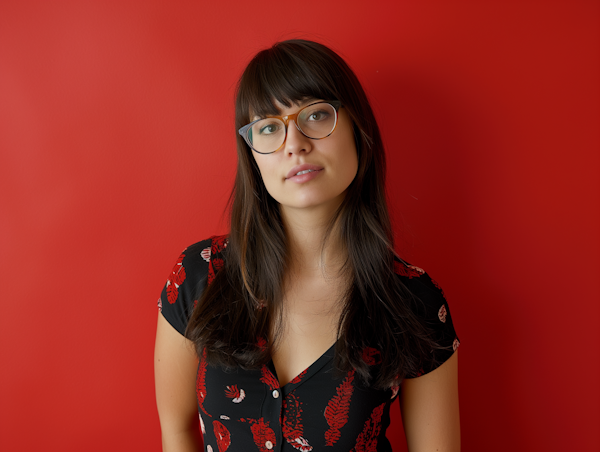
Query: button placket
[{"x": 271, "y": 411}]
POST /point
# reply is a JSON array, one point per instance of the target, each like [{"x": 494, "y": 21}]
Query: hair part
[{"x": 376, "y": 312}]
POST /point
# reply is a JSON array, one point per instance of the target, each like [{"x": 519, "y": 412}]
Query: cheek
[
  {"x": 266, "y": 168},
  {"x": 349, "y": 160}
]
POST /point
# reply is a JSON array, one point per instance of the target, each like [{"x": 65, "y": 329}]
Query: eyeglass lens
[{"x": 315, "y": 121}]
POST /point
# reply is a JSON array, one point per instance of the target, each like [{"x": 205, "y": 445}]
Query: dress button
[
  {"x": 269, "y": 445},
  {"x": 275, "y": 393}
]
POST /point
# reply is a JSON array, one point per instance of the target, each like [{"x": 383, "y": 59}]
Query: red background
[{"x": 117, "y": 151}]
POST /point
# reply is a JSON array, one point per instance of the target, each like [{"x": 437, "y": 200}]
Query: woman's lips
[
  {"x": 304, "y": 176},
  {"x": 301, "y": 172}
]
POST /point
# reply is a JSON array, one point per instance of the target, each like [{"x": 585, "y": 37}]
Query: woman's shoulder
[
  {"x": 195, "y": 267},
  {"x": 417, "y": 280},
  {"x": 428, "y": 302},
  {"x": 203, "y": 254}
]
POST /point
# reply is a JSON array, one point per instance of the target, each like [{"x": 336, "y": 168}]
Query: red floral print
[
  {"x": 455, "y": 344},
  {"x": 219, "y": 243},
  {"x": 159, "y": 304},
  {"x": 234, "y": 393},
  {"x": 223, "y": 436},
  {"x": 418, "y": 269},
  {"x": 371, "y": 356},
  {"x": 367, "y": 440},
  {"x": 205, "y": 253},
  {"x": 409, "y": 271},
  {"x": 217, "y": 264},
  {"x": 175, "y": 280},
  {"x": 201, "y": 383},
  {"x": 299, "y": 377},
  {"x": 264, "y": 436},
  {"x": 442, "y": 314},
  {"x": 336, "y": 411},
  {"x": 292, "y": 424},
  {"x": 268, "y": 378}
]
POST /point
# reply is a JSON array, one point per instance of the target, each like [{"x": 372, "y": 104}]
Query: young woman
[{"x": 300, "y": 328}]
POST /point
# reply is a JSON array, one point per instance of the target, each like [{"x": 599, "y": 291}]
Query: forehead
[{"x": 282, "y": 109}]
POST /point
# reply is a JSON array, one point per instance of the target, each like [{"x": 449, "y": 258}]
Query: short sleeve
[
  {"x": 185, "y": 284},
  {"x": 432, "y": 309}
]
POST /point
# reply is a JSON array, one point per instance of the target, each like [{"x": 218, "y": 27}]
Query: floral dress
[{"x": 318, "y": 410}]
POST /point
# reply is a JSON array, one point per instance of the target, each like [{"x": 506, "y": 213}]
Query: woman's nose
[{"x": 295, "y": 141}]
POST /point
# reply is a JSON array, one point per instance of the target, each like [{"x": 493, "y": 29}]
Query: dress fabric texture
[{"x": 318, "y": 410}]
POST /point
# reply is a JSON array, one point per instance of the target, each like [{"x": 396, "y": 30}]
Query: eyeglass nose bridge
[{"x": 286, "y": 120}]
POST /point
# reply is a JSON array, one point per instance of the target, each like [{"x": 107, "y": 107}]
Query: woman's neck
[{"x": 306, "y": 230}]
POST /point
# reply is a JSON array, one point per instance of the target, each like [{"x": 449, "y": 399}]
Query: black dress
[{"x": 247, "y": 410}]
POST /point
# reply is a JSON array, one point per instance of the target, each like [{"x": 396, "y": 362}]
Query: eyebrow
[{"x": 304, "y": 103}]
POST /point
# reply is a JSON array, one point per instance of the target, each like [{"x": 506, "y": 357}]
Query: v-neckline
[{"x": 307, "y": 373}]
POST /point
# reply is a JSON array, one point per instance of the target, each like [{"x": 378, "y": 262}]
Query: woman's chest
[
  {"x": 248, "y": 409},
  {"x": 306, "y": 330}
]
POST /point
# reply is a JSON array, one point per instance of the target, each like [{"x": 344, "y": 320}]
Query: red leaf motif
[
  {"x": 409, "y": 271},
  {"x": 234, "y": 393},
  {"x": 223, "y": 436},
  {"x": 268, "y": 378},
  {"x": 336, "y": 411},
  {"x": 176, "y": 278},
  {"x": 367, "y": 440},
  {"x": 371, "y": 356},
  {"x": 299, "y": 377},
  {"x": 211, "y": 273},
  {"x": 217, "y": 264},
  {"x": 262, "y": 433},
  {"x": 292, "y": 424},
  {"x": 201, "y": 383},
  {"x": 172, "y": 292},
  {"x": 219, "y": 243}
]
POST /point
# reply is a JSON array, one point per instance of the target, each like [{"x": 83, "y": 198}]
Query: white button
[
  {"x": 269, "y": 445},
  {"x": 275, "y": 393}
]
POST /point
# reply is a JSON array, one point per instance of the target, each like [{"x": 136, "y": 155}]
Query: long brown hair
[{"x": 246, "y": 295}]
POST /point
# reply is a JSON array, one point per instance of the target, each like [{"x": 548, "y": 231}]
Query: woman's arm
[
  {"x": 429, "y": 407},
  {"x": 175, "y": 368}
]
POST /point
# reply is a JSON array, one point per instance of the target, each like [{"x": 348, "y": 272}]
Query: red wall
[{"x": 117, "y": 151}]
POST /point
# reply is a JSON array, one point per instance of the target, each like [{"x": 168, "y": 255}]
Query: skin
[
  {"x": 313, "y": 289},
  {"x": 175, "y": 368}
]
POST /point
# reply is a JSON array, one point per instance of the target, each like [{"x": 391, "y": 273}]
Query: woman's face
[{"x": 332, "y": 161}]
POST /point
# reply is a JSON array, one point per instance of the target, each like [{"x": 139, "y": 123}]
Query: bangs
[{"x": 287, "y": 75}]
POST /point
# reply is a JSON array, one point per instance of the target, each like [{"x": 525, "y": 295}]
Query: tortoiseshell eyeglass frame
[{"x": 336, "y": 104}]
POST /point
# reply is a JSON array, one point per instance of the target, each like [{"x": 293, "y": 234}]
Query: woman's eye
[
  {"x": 268, "y": 129},
  {"x": 317, "y": 116}
]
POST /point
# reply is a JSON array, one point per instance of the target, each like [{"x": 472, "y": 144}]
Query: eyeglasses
[{"x": 315, "y": 121}]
